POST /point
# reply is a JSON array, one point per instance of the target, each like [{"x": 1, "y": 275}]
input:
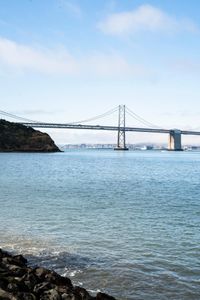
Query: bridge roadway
[{"x": 110, "y": 128}]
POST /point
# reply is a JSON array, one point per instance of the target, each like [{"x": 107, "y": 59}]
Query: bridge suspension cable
[
  {"x": 107, "y": 113},
  {"x": 6, "y": 114},
  {"x": 140, "y": 119}
]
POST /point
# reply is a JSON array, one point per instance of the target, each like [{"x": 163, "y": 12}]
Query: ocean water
[{"x": 125, "y": 223}]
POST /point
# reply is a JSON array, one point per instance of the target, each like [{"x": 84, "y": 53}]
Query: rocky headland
[
  {"x": 15, "y": 137},
  {"x": 19, "y": 281}
]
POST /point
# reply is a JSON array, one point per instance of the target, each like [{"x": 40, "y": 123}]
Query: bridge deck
[{"x": 109, "y": 128}]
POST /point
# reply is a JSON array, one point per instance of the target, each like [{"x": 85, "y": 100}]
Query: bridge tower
[
  {"x": 175, "y": 140},
  {"x": 121, "y": 137}
]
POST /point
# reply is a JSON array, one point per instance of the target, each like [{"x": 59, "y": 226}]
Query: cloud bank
[
  {"x": 59, "y": 61},
  {"x": 41, "y": 60},
  {"x": 144, "y": 18}
]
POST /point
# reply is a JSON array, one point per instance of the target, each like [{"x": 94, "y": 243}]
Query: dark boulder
[
  {"x": 102, "y": 296},
  {"x": 84, "y": 295}
]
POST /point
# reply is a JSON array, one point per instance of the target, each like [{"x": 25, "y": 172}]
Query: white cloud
[
  {"x": 144, "y": 18},
  {"x": 25, "y": 58},
  {"x": 57, "y": 61}
]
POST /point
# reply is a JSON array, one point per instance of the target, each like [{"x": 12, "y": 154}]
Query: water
[{"x": 126, "y": 223}]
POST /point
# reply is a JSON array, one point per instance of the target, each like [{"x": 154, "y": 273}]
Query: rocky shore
[{"x": 19, "y": 281}]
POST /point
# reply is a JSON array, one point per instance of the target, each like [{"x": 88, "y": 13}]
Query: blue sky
[{"x": 67, "y": 60}]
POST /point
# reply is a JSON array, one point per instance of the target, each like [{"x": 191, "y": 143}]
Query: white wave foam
[{"x": 26, "y": 245}]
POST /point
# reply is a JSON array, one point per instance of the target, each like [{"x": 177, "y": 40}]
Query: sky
[{"x": 69, "y": 60}]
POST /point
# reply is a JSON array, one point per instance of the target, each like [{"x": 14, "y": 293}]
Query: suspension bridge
[{"x": 174, "y": 140}]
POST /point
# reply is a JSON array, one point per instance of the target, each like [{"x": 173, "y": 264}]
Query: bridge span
[
  {"x": 109, "y": 128},
  {"x": 174, "y": 140}
]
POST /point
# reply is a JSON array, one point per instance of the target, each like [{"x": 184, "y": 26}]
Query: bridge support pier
[
  {"x": 121, "y": 137},
  {"x": 174, "y": 143}
]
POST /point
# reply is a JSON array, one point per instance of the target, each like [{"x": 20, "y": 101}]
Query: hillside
[{"x": 17, "y": 137}]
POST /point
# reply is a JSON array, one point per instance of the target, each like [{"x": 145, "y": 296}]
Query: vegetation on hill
[{"x": 17, "y": 137}]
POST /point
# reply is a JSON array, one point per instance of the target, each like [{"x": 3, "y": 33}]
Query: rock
[
  {"x": 12, "y": 287},
  {"x": 70, "y": 296},
  {"x": 59, "y": 280},
  {"x": 102, "y": 296},
  {"x": 29, "y": 280},
  {"x": 82, "y": 293},
  {"x": 63, "y": 289},
  {"x": 3, "y": 283},
  {"x": 20, "y": 259},
  {"x": 66, "y": 297},
  {"x": 4, "y": 254},
  {"x": 16, "y": 270},
  {"x": 42, "y": 287},
  {"x": 41, "y": 272},
  {"x": 53, "y": 277},
  {"x": 25, "y": 296},
  {"x": 5, "y": 295},
  {"x": 21, "y": 282},
  {"x": 50, "y": 295},
  {"x": 12, "y": 261}
]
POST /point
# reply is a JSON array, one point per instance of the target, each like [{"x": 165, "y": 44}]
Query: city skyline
[{"x": 70, "y": 60}]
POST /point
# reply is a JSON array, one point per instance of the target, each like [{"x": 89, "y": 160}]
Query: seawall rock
[{"x": 18, "y": 281}]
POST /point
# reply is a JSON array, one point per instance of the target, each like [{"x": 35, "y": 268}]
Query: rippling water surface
[{"x": 127, "y": 223}]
